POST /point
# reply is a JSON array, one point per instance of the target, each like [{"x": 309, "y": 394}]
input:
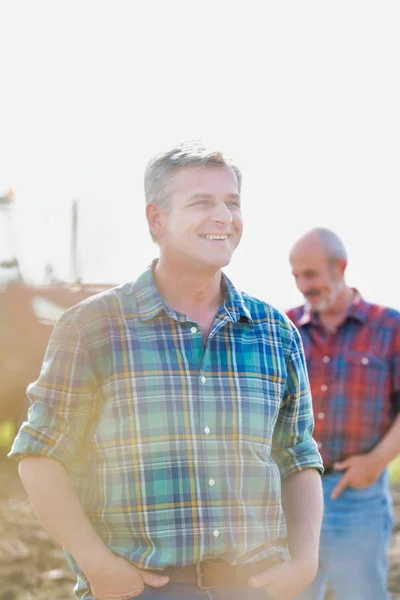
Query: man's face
[
  {"x": 203, "y": 225},
  {"x": 318, "y": 280}
]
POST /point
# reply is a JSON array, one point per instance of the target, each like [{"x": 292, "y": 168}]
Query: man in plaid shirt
[
  {"x": 352, "y": 349},
  {"x": 169, "y": 436}
]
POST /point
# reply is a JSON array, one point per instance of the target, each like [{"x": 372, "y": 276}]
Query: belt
[{"x": 210, "y": 574}]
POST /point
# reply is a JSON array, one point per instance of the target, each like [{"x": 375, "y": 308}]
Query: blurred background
[{"x": 305, "y": 96}]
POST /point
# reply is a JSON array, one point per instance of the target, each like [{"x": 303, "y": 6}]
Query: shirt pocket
[
  {"x": 364, "y": 373},
  {"x": 364, "y": 382},
  {"x": 364, "y": 360},
  {"x": 260, "y": 404}
]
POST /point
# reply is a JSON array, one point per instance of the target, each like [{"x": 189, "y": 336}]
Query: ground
[{"x": 33, "y": 567}]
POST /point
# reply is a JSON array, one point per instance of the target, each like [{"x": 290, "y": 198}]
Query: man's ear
[
  {"x": 153, "y": 215},
  {"x": 341, "y": 265}
]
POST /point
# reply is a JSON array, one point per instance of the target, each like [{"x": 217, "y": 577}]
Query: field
[{"x": 33, "y": 567}]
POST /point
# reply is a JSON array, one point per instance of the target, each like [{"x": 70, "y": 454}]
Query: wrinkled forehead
[{"x": 203, "y": 179}]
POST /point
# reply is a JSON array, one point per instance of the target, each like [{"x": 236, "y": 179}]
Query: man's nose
[
  {"x": 302, "y": 286},
  {"x": 221, "y": 213}
]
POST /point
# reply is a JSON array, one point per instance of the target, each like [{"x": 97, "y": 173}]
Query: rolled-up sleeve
[
  {"x": 62, "y": 399},
  {"x": 293, "y": 447}
]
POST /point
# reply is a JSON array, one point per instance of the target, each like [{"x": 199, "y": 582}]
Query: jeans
[
  {"x": 355, "y": 536},
  {"x": 182, "y": 591}
]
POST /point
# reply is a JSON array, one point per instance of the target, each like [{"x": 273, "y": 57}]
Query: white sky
[{"x": 304, "y": 95}]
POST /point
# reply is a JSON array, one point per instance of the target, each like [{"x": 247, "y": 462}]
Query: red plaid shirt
[{"x": 355, "y": 376}]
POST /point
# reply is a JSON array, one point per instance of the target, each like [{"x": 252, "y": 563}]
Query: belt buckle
[{"x": 200, "y": 578}]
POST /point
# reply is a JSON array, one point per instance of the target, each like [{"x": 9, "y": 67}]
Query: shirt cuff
[{"x": 304, "y": 455}]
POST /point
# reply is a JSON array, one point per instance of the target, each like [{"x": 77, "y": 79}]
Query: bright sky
[{"x": 304, "y": 95}]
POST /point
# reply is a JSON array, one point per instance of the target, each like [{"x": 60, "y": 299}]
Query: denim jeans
[
  {"x": 182, "y": 591},
  {"x": 355, "y": 536}
]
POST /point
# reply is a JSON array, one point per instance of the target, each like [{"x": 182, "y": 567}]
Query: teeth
[{"x": 215, "y": 237}]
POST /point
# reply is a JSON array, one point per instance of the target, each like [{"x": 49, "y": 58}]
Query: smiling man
[
  {"x": 170, "y": 432},
  {"x": 353, "y": 356}
]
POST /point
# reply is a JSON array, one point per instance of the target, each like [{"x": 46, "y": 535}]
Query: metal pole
[{"x": 74, "y": 244}]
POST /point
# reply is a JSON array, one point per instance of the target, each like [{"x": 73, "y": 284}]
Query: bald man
[{"x": 352, "y": 350}]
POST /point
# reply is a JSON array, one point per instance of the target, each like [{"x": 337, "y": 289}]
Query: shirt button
[
  {"x": 203, "y": 379},
  {"x": 365, "y": 360},
  {"x": 321, "y": 415},
  {"x": 211, "y": 482},
  {"x": 215, "y": 533},
  {"x": 207, "y": 430},
  {"x": 326, "y": 359},
  {"x": 324, "y": 387},
  {"x": 193, "y": 329}
]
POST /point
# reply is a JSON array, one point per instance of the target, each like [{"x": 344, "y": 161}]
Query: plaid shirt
[
  {"x": 176, "y": 450},
  {"x": 355, "y": 376}
]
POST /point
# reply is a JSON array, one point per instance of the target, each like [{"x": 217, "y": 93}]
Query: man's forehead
[
  {"x": 308, "y": 248},
  {"x": 307, "y": 258},
  {"x": 203, "y": 177}
]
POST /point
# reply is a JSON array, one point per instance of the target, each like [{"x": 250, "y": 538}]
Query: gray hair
[
  {"x": 331, "y": 243},
  {"x": 162, "y": 166}
]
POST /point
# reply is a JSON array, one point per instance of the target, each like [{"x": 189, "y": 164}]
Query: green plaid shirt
[{"x": 176, "y": 451}]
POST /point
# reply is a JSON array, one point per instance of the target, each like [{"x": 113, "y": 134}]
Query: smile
[{"x": 212, "y": 236}]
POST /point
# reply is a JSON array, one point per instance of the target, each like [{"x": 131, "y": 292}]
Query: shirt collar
[
  {"x": 358, "y": 310},
  {"x": 148, "y": 298},
  {"x": 150, "y": 302},
  {"x": 234, "y": 303}
]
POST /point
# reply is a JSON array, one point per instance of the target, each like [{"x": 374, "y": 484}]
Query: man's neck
[{"x": 189, "y": 291}]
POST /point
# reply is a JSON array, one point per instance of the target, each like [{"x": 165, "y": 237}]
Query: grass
[
  {"x": 394, "y": 470},
  {"x": 7, "y": 434}
]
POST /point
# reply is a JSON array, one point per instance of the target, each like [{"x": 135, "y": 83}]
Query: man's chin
[
  {"x": 219, "y": 262},
  {"x": 211, "y": 265},
  {"x": 316, "y": 307}
]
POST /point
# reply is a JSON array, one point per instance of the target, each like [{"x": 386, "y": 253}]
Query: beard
[{"x": 325, "y": 301}]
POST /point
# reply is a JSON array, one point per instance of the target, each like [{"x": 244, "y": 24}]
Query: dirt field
[{"x": 32, "y": 566}]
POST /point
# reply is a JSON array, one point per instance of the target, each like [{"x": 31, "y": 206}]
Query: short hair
[
  {"x": 332, "y": 244},
  {"x": 162, "y": 166}
]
